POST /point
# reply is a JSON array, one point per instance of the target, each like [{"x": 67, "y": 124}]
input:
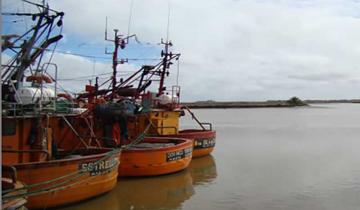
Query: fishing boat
[
  {"x": 165, "y": 123},
  {"x": 111, "y": 113},
  {"x": 163, "y": 109},
  {"x": 53, "y": 176},
  {"x": 67, "y": 179},
  {"x": 203, "y": 140},
  {"x": 156, "y": 156}
]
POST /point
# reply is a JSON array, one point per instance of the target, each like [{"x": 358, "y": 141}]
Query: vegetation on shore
[{"x": 292, "y": 102}]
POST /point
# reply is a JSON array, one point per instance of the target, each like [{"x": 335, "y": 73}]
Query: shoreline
[{"x": 260, "y": 104}]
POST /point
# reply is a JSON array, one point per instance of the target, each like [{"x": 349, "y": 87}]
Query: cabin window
[{"x": 8, "y": 127}]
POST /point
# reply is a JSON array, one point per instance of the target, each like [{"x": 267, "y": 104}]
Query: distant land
[{"x": 292, "y": 102}]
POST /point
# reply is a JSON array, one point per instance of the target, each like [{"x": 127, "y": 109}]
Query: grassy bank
[{"x": 293, "y": 102}]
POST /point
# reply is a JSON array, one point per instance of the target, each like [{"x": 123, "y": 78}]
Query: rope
[
  {"x": 76, "y": 174},
  {"x": 74, "y": 131},
  {"x": 140, "y": 138},
  {"x": 73, "y": 176}
]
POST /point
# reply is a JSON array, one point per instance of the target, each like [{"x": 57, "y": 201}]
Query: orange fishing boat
[
  {"x": 166, "y": 123},
  {"x": 57, "y": 179},
  {"x": 163, "y": 109},
  {"x": 203, "y": 140},
  {"x": 156, "y": 156},
  {"x": 143, "y": 156},
  {"x": 112, "y": 112},
  {"x": 52, "y": 175}
]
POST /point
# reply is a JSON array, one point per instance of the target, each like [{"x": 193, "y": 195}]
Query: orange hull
[
  {"x": 203, "y": 140},
  {"x": 93, "y": 182},
  {"x": 156, "y": 161}
]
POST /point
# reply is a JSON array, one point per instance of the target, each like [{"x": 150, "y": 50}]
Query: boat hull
[
  {"x": 93, "y": 182},
  {"x": 156, "y": 161},
  {"x": 203, "y": 140}
]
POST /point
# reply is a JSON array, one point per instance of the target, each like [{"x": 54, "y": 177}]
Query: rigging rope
[{"x": 70, "y": 177}]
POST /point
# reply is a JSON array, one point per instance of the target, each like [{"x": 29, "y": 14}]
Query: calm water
[{"x": 296, "y": 158}]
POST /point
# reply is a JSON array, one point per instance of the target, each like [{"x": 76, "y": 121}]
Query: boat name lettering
[
  {"x": 179, "y": 154},
  {"x": 99, "y": 167},
  {"x": 204, "y": 143}
]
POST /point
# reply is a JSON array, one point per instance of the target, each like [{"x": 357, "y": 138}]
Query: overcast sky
[{"x": 230, "y": 50}]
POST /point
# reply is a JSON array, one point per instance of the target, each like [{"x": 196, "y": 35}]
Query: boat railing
[
  {"x": 202, "y": 124},
  {"x": 175, "y": 95},
  {"x": 162, "y": 128},
  {"x": 207, "y": 124},
  {"x": 17, "y": 109}
]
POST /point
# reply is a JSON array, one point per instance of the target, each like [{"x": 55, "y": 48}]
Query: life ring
[{"x": 39, "y": 78}]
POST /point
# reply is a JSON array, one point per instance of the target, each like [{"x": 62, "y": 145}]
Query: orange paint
[
  {"x": 34, "y": 164},
  {"x": 83, "y": 187},
  {"x": 156, "y": 160},
  {"x": 203, "y": 140}
]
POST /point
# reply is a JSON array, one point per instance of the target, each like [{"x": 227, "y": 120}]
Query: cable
[
  {"x": 87, "y": 76},
  {"x": 53, "y": 50},
  {"x": 104, "y": 58}
]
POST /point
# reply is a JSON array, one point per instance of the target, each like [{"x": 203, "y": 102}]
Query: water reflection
[
  {"x": 161, "y": 192},
  {"x": 203, "y": 170},
  {"x": 266, "y": 159}
]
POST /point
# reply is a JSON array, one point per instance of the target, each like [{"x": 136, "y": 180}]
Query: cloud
[
  {"x": 74, "y": 72},
  {"x": 328, "y": 77},
  {"x": 239, "y": 50}
]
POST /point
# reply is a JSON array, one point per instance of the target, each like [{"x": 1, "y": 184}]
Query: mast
[
  {"x": 165, "y": 65},
  {"x": 115, "y": 63},
  {"x": 119, "y": 42}
]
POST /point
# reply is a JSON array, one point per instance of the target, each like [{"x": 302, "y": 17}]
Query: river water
[{"x": 270, "y": 158}]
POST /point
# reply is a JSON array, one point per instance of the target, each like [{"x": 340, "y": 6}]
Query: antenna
[
  {"x": 168, "y": 23},
  {"x": 106, "y": 28},
  {"x": 130, "y": 16}
]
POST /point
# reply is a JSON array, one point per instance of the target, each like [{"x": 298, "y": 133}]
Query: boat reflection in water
[
  {"x": 203, "y": 170},
  {"x": 160, "y": 192},
  {"x": 166, "y": 192}
]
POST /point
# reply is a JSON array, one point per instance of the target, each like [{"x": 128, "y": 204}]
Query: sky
[{"x": 230, "y": 49}]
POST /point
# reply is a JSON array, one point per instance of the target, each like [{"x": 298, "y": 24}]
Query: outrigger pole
[{"x": 26, "y": 52}]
